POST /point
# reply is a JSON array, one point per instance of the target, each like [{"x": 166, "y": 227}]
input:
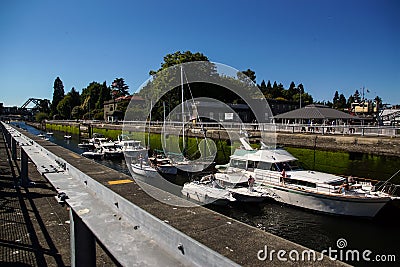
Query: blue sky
[{"x": 326, "y": 45}]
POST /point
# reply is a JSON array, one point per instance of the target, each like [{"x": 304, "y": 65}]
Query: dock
[{"x": 124, "y": 226}]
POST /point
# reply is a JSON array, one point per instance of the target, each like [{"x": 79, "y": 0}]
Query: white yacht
[
  {"x": 278, "y": 173},
  {"x": 110, "y": 149},
  {"x": 130, "y": 148}
]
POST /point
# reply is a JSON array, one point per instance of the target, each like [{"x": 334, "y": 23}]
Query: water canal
[{"x": 317, "y": 231}]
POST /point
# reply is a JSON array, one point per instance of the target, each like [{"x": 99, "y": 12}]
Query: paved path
[{"x": 34, "y": 228}]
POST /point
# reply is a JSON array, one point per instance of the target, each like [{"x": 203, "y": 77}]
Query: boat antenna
[{"x": 388, "y": 180}]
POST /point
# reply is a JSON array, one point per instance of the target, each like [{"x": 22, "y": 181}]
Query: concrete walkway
[{"x": 34, "y": 227}]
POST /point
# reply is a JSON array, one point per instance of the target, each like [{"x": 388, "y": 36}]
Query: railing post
[
  {"x": 8, "y": 138},
  {"x": 13, "y": 149},
  {"x": 83, "y": 245},
  {"x": 24, "y": 168}
]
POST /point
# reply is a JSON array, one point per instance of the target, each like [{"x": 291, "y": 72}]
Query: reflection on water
[
  {"x": 355, "y": 164},
  {"x": 313, "y": 230}
]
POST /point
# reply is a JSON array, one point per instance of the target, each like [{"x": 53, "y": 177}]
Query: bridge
[
  {"x": 40, "y": 104},
  {"x": 134, "y": 229}
]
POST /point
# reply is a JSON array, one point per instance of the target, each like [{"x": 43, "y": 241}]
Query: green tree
[
  {"x": 44, "y": 106},
  {"x": 179, "y": 58},
  {"x": 250, "y": 74},
  {"x": 119, "y": 87},
  {"x": 64, "y": 107},
  {"x": 169, "y": 74},
  {"x": 105, "y": 94},
  {"x": 58, "y": 95},
  {"x": 263, "y": 87},
  {"x": 350, "y": 100},
  {"x": 335, "y": 100},
  {"x": 75, "y": 97},
  {"x": 77, "y": 112},
  {"x": 341, "y": 104},
  {"x": 291, "y": 91},
  {"x": 277, "y": 90},
  {"x": 268, "y": 90},
  {"x": 89, "y": 97},
  {"x": 41, "y": 116}
]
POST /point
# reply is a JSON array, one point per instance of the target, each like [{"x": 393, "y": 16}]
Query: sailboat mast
[
  {"x": 148, "y": 137},
  {"x": 183, "y": 113}
]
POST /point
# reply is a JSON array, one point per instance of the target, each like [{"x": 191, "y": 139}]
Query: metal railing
[
  {"x": 133, "y": 235},
  {"x": 323, "y": 129}
]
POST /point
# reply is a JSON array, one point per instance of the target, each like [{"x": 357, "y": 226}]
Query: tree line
[
  {"x": 340, "y": 102},
  {"x": 86, "y": 105},
  {"x": 89, "y": 103}
]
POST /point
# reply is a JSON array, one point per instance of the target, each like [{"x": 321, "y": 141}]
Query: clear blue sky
[{"x": 326, "y": 45}]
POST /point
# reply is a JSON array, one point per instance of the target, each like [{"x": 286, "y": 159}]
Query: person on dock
[
  {"x": 251, "y": 182},
  {"x": 141, "y": 161},
  {"x": 283, "y": 176}
]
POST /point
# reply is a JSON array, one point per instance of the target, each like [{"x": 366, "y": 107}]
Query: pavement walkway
[{"x": 34, "y": 227}]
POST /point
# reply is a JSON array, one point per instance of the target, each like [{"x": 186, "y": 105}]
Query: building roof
[{"x": 316, "y": 112}]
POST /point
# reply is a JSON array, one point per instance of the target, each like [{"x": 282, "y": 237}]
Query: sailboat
[
  {"x": 150, "y": 167},
  {"x": 180, "y": 160}
]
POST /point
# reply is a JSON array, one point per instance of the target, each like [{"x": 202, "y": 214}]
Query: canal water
[{"x": 317, "y": 231}]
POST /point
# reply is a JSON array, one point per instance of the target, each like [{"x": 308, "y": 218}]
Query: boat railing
[{"x": 388, "y": 188}]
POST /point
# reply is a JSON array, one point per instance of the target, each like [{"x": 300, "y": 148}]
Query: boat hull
[
  {"x": 206, "y": 194},
  {"x": 333, "y": 204},
  {"x": 245, "y": 195},
  {"x": 92, "y": 155},
  {"x": 167, "y": 169},
  {"x": 145, "y": 170}
]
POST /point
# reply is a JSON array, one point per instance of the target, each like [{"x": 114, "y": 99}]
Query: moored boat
[
  {"x": 93, "y": 154},
  {"x": 206, "y": 193},
  {"x": 278, "y": 172}
]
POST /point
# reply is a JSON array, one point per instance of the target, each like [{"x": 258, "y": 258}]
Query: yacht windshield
[
  {"x": 295, "y": 165},
  {"x": 289, "y": 166},
  {"x": 238, "y": 164}
]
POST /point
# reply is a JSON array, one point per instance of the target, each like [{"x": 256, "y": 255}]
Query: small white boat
[
  {"x": 41, "y": 135},
  {"x": 67, "y": 137},
  {"x": 207, "y": 193},
  {"x": 111, "y": 150},
  {"x": 130, "y": 148},
  {"x": 94, "y": 154},
  {"x": 163, "y": 165},
  {"x": 87, "y": 144},
  {"x": 243, "y": 194},
  {"x": 50, "y": 133},
  {"x": 144, "y": 170}
]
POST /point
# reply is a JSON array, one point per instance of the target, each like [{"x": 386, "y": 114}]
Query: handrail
[{"x": 94, "y": 207}]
